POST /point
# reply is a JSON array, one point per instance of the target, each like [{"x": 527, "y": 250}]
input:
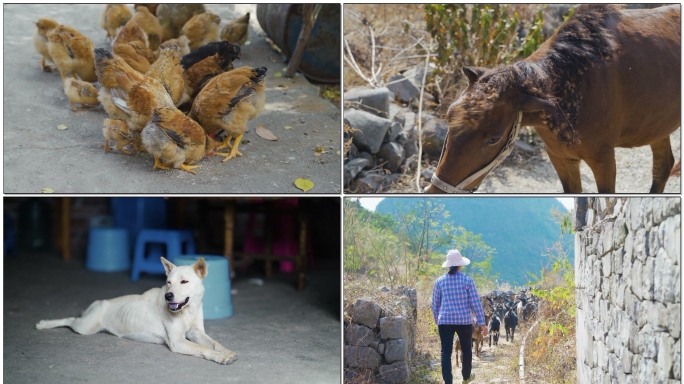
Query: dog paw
[
  {"x": 41, "y": 324},
  {"x": 227, "y": 358}
]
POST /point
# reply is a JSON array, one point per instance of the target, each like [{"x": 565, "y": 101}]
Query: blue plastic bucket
[
  {"x": 217, "y": 303},
  {"x": 108, "y": 250}
]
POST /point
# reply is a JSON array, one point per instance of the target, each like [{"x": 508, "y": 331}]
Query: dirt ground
[
  {"x": 38, "y": 155},
  {"x": 535, "y": 174}
]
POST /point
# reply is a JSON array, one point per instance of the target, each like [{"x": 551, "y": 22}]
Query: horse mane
[{"x": 581, "y": 43}]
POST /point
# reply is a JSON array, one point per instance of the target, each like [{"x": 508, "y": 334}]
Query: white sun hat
[{"x": 455, "y": 259}]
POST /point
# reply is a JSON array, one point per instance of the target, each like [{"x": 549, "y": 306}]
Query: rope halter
[{"x": 505, "y": 151}]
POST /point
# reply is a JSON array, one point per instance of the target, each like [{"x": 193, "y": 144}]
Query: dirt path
[{"x": 496, "y": 364}]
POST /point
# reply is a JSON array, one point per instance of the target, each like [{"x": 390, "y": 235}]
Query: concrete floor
[
  {"x": 38, "y": 155},
  {"x": 279, "y": 334}
]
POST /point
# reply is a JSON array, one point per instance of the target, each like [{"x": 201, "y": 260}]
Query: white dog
[{"x": 171, "y": 316}]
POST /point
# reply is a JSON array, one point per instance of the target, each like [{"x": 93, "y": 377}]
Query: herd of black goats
[{"x": 510, "y": 307}]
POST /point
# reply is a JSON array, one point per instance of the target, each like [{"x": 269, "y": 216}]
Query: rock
[
  {"x": 359, "y": 335},
  {"x": 367, "y": 156},
  {"x": 376, "y": 101},
  {"x": 402, "y": 88},
  {"x": 353, "y": 152},
  {"x": 393, "y": 132},
  {"x": 373, "y": 183},
  {"x": 352, "y": 168},
  {"x": 427, "y": 173},
  {"x": 395, "y": 373},
  {"x": 393, "y": 153},
  {"x": 396, "y": 327},
  {"x": 396, "y": 113},
  {"x": 365, "y": 312},
  {"x": 434, "y": 134},
  {"x": 361, "y": 357},
  {"x": 370, "y": 129},
  {"x": 665, "y": 354},
  {"x": 396, "y": 350}
]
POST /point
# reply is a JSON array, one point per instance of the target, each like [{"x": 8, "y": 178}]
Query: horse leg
[
  {"x": 662, "y": 164},
  {"x": 568, "y": 173},
  {"x": 603, "y": 167}
]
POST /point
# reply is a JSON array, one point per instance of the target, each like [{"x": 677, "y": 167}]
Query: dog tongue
[{"x": 173, "y": 306}]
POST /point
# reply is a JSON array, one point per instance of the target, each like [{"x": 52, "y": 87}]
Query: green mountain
[{"x": 520, "y": 229}]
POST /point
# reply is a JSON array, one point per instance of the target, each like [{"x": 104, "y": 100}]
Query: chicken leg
[{"x": 234, "y": 149}]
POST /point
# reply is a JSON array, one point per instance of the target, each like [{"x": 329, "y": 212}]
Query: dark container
[
  {"x": 35, "y": 225},
  {"x": 321, "y": 60}
]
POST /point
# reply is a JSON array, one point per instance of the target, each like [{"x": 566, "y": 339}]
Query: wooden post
[
  {"x": 66, "y": 229},
  {"x": 308, "y": 21},
  {"x": 229, "y": 220},
  {"x": 301, "y": 261}
]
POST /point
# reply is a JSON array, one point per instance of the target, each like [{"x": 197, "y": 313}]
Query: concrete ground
[
  {"x": 38, "y": 155},
  {"x": 279, "y": 334}
]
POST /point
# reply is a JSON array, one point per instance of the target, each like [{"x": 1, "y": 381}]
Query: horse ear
[
  {"x": 473, "y": 73},
  {"x": 528, "y": 103}
]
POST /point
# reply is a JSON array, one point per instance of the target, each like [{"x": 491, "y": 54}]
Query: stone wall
[
  {"x": 627, "y": 262},
  {"x": 379, "y": 337}
]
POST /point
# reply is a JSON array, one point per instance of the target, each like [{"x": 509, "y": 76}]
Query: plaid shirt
[{"x": 455, "y": 299}]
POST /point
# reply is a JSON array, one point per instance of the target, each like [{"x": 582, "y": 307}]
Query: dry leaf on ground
[
  {"x": 62, "y": 127},
  {"x": 47, "y": 190},
  {"x": 304, "y": 184},
  {"x": 265, "y": 133}
]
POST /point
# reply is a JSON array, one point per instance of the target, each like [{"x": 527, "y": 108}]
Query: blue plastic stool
[
  {"x": 216, "y": 303},
  {"x": 149, "y": 262},
  {"x": 108, "y": 250}
]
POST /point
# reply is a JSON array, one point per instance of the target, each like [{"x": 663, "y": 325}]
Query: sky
[{"x": 371, "y": 202}]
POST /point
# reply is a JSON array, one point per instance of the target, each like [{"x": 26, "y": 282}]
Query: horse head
[{"x": 483, "y": 124}]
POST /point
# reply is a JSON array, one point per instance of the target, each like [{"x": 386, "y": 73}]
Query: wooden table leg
[
  {"x": 301, "y": 261},
  {"x": 229, "y": 219},
  {"x": 66, "y": 230}
]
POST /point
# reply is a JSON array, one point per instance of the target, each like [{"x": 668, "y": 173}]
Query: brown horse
[{"x": 607, "y": 78}]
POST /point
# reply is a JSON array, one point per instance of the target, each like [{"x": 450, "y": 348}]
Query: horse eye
[
  {"x": 493, "y": 141},
  {"x": 184, "y": 281}
]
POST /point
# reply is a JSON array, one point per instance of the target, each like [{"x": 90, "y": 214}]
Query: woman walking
[{"x": 454, "y": 300}]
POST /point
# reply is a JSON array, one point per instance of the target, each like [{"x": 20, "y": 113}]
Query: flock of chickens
[{"x": 165, "y": 59}]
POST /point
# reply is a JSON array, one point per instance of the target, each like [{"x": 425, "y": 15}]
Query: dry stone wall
[
  {"x": 379, "y": 338},
  {"x": 627, "y": 262}
]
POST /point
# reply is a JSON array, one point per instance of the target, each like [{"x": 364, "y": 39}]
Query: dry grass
[{"x": 395, "y": 28}]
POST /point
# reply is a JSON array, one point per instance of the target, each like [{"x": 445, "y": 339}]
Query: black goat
[
  {"x": 510, "y": 322},
  {"x": 494, "y": 327}
]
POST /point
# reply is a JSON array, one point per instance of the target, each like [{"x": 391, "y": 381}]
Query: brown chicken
[
  {"x": 151, "y": 7},
  {"x": 40, "y": 41},
  {"x": 142, "y": 50},
  {"x": 169, "y": 72},
  {"x": 72, "y": 53},
  {"x": 175, "y": 140},
  {"x": 202, "y": 29},
  {"x": 173, "y": 17},
  {"x": 117, "y": 130},
  {"x": 127, "y": 94},
  {"x": 150, "y": 24},
  {"x": 113, "y": 17},
  {"x": 129, "y": 54},
  {"x": 206, "y": 62},
  {"x": 80, "y": 92},
  {"x": 237, "y": 30},
  {"x": 131, "y": 31},
  {"x": 181, "y": 43},
  {"x": 227, "y": 102}
]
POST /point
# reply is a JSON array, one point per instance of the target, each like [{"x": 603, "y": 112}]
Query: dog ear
[
  {"x": 168, "y": 266},
  {"x": 200, "y": 268}
]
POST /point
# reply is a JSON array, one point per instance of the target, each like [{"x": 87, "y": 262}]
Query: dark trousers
[{"x": 446, "y": 336}]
